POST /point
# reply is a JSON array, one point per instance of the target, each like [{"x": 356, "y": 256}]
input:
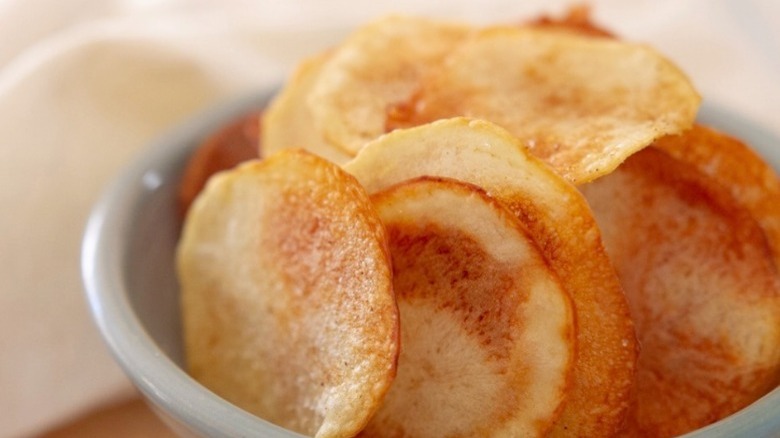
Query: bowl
[{"x": 128, "y": 271}]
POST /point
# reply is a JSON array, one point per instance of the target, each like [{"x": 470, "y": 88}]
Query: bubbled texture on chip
[
  {"x": 750, "y": 179},
  {"x": 379, "y": 66},
  {"x": 288, "y": 122},
  {"x": 703, "y": 290},
  {"x": 287, "y": 301},
  {"x": 582, "y": 104},
  {"x": 561, "y": 225},
  {"x": 487, "y": 331}
]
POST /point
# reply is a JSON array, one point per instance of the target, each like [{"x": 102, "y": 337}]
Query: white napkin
[{"x": 86, "y": 84}]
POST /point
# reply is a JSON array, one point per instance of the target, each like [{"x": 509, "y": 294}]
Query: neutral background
[{"x": 85, "y": 84}]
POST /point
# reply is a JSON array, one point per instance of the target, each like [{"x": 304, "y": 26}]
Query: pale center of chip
[{"x": 453, "y": 378}]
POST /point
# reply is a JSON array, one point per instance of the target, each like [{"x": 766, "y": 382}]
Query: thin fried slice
[
  {"x": 703, "y": 290},
  {"x": 576, "y": 19},
  {"x": 233, "y": 144},
  {"x": 738, "y": 168},
  {"x": 580, "y": 103},
  {"x": 287, "y": 301},
  {"x": 288, "y": 121},
  {"x": 377, "y": 67},
  {"x": 487, "y": 330},
  {"x": 559, "y": 221}
]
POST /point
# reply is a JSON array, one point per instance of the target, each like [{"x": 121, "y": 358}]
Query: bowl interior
[{"x": 128, "y": 268}]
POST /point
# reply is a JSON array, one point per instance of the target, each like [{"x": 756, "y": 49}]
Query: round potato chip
[
  {"x": 487, "y": 332},
  {"x": 582, "y": 104},
  {"x": 287, "y": 301},
  {"x": 233, "y": 144},
  {"x": 703, "y": 290},
  {"x": 377, "y": 67},
  {"x": 752, "y": 181},
  {"x": 288, "y": 121},
  {"x": 560, "y": 223}
]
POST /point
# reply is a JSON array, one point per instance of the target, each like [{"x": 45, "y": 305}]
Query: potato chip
[
  {"x": 732, "y": 163},
  {"x": 377, "y": 67},
  {"x": 560, "y": 223},
  {"x": 288, "y": 121},
  {"x": 576, "y": 19},
  {"x": 487, "y": 332},
  {"x": 287, "y": 301},
  {"x": 224, "y": 149},
  {"x": 703, "y": 290},
  {"x": 580, "y": 103}
]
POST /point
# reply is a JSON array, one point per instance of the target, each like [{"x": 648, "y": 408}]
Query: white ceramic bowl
[{"x": 128, "y": 270}]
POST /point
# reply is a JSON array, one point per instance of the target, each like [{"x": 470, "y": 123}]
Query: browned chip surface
[
  {"x": 582, "y": 104},
  {"x": 703, "y": 291},
  {"x": 287, "y": 301},
  {"x": 487, "y": 331},
  {"x": 576, "y": 19},
  {"x": 235, "y": 143},
  {"x": 738, "y": 168},
  {"x": 377, "y": 67},
  {"x": 560, "y": 223},
  {"x": 288, "y": 121}
]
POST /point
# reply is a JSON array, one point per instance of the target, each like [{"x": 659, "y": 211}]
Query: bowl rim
[{"x": 175, "y": 395}]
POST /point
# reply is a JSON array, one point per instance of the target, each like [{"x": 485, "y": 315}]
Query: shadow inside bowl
[{"x": 150, "y": 264}]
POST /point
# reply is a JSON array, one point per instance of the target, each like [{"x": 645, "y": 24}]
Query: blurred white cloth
[{"x": 85, "y": 84}]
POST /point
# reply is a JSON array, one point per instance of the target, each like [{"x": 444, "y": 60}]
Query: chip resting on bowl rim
[
  {"x": 559, "y": 221},
  {"x": 287, "y": 302}
]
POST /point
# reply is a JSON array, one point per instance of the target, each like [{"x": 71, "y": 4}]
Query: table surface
[{"x": 128, "y": 419}]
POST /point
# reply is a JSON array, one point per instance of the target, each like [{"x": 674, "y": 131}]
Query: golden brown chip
[
  {"x": 288, "y": 121},
  {"x": 487, "y": 331},
  {"x": 703, "y": 289},
  {"x": 377, "y": 67},
  {"x": 577, "y": 19},
  {"x": 560, "y": 223},
  {"x": 581, "y": 104},
  {"x": 287, "y": 301},
  {"x": 738, "y": 168},
  {"x": 233, "y": 144}
]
